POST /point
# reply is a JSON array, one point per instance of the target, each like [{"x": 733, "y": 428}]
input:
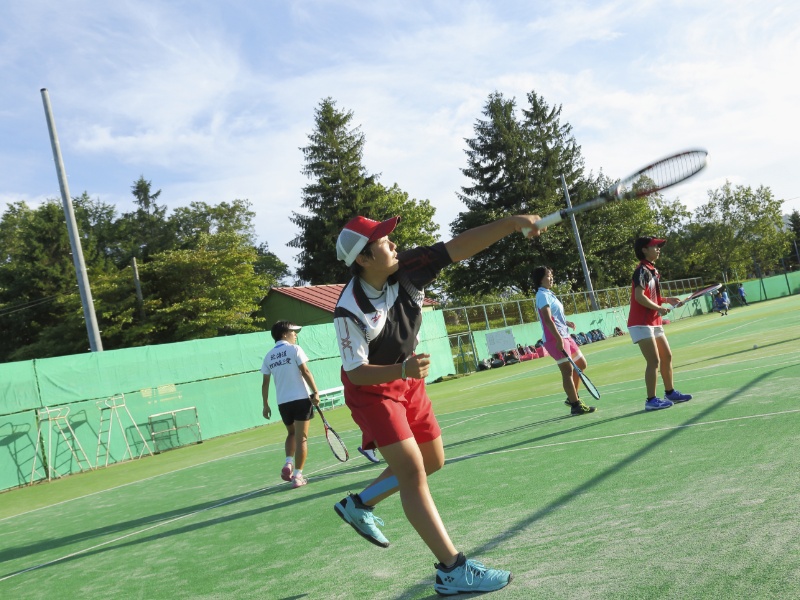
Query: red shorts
[{"x": 388, "y": 413}]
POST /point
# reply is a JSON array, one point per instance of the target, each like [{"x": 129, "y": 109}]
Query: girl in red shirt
[{"x": 645, "y": 324}]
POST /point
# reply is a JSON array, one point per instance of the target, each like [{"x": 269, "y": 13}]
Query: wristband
[{"x": 403, "y": 371}]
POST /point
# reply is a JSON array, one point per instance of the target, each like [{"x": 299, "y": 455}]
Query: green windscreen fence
[
  {"x": 608, "y": 319},
  {"x": 161, "y": 388}
]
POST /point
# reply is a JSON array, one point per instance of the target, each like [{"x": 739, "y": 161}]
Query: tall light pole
[
  {"x": 580, "y": 246},
  {"x": 95, "y": 344}
]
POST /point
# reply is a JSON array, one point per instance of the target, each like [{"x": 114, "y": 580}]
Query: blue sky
[{"x": 211, "y": 101}]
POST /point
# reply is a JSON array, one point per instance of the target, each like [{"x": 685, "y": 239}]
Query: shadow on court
[
  {"x": 511, "y": 532},
  {"x": 586, "y": 425},
  {"x": 507, "y": 431},
  {"x": 751, "y": 351},
  {"x": 189, "y": 512}
]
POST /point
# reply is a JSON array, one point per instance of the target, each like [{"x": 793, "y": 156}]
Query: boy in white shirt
[{"x": 296, "y": 390}]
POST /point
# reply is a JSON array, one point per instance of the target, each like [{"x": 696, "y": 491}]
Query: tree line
[{"x": 202, "y": 274}]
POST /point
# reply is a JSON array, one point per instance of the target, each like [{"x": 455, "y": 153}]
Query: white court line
[
  {"x": 538, "y": 447},
  {"x": 617, "y": 390},
  {"x": 133, "y": 533},
  {"x": 440, "y": 417},
  {"x": 464, "y": 421},
  {"x": 117, "y": 487},
  {"x": 533, "y": 373},
  {"x": 727, "y": 331},
  {"x": 618, "y": 435}
]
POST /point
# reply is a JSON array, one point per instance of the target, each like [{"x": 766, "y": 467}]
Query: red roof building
[{"x": 309, "y": 305}]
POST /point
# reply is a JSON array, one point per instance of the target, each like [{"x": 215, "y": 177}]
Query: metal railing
[{"x": 463, "y": 320}]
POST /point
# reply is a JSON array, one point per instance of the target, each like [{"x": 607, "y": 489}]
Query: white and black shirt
[{"x": 381, "y": 327}]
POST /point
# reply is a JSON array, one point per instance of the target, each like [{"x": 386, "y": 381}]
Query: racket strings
[
  {"x": 665, "y": 173},
  {"x": 590, "y": 387},
  {"x": 337, "y": 445}
]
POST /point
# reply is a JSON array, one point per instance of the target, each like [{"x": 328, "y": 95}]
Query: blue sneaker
[
  {"x": 468, "y": 576},
  {"x": 657, "y": 404},
  {"x": 369, "y": 454},
  {"x": 676, "y": 396},
  {"x": 360, "y": 518}
]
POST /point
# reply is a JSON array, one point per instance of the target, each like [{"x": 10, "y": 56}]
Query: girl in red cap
[{"x": 377, "y": 321}]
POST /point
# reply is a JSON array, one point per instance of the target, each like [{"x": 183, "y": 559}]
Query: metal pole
[
  {"x": 786, "y": 275},
  {"x": 580, "y": 246},
  {"x": 137, "y": 284},
  {"x": 95, "y": 344}
]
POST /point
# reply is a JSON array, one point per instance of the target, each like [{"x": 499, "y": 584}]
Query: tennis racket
[
  {"x": 584, "y": 378},
  {"x": 654, "y": 177},
  {"x": 707, "y": 290},
  {"x": 334, "y": 441}
]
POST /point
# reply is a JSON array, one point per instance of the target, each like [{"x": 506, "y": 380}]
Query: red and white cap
[
  {"x": 359, "y": 232},
  {"x": 647, "y": 242}
]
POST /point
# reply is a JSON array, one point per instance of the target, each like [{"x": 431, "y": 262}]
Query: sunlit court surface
[{"x": 696, "y": 501}]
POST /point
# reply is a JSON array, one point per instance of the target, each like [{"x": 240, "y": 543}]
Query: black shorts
[{"x": 296, "y": 410}]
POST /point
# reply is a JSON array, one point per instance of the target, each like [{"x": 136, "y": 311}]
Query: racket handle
[
  {"x": 552, "y": 219},
  {"x": 678, "y": 305}
]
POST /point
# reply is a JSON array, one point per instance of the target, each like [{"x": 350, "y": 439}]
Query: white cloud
[{"x": 212, "y": 102}]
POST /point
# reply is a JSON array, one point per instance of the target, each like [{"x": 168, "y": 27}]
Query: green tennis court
[{"x": 698, "y": 501}]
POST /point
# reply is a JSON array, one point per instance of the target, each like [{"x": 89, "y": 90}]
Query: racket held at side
[
  {"x": 334, "y": 441},
  {"x": 590, "y": 387}
]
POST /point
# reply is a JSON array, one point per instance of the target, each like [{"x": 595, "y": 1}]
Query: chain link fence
[{"x": 462, "y": 321}]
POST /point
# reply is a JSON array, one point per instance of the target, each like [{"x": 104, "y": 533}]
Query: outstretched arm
[{"x": 472, "y": 241}]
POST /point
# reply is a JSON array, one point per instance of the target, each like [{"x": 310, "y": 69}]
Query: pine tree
[
  {"x": 339, "y": 190},
  {"x": 514, "y": 164}
]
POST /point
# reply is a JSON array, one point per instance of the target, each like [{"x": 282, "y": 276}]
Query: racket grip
[
  {"x": 678, "y": 305},
  {"x": 552, "y": 219}
]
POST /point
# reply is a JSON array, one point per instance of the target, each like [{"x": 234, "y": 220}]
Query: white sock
[
  {"x": 297, "y": 472},
  {"x": 290, "y": 460}
]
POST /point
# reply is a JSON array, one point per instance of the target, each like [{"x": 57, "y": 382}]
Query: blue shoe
[
  {"x": 360, "y": 517},
  {"x": 468, "y": 576},
  {"x": 676, "y": 396},
  {"x": 657, "y": 404},
  {"x": 369, "y": 454}
]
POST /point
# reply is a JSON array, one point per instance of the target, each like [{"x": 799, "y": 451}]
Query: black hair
[
  {"x": 539, "y": 274},
  {"x": 641, "y": 243},
  {"x": 356, "y": 269},
  {"x": 280, "y": 328}
]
